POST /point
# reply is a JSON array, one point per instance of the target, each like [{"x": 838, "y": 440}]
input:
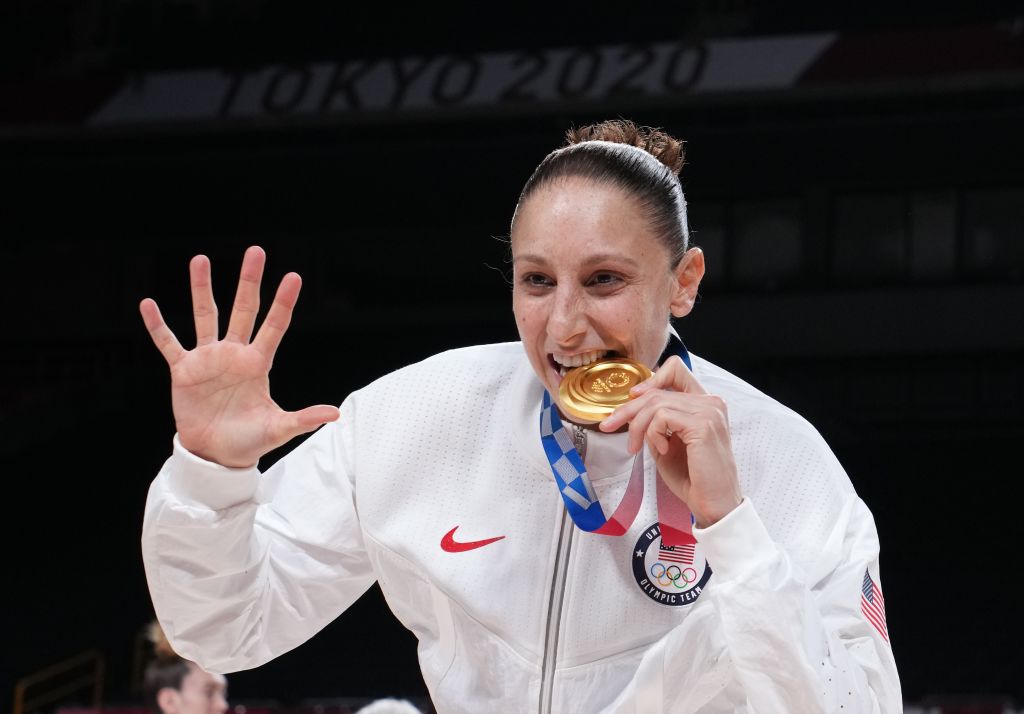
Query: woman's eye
[
  {"x": 535, "y": 280},
  {"x": 604, "y": 279}
]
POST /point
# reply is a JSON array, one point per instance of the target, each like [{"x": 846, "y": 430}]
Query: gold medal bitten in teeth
[{"x": 592, "y": 392}]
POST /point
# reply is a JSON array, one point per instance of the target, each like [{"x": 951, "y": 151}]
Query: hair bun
[
  {"x": 662, "y": 146},
  {"x": 161, "y": 647}
]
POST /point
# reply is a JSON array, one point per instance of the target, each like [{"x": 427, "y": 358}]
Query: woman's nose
[{"x": 568, "y": 318}]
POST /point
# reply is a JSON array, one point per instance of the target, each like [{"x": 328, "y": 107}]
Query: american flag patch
[
  {"x": 677, "y": 553},
  {"x": 872, "y": 604}
]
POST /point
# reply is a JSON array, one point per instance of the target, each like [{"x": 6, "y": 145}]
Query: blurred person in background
[{"x": 173, "y": 685}]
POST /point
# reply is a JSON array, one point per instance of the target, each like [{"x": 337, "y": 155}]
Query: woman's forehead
[
  {"x": 571, "y": 194},
  {"x": 582, "y": 206},
  {"x": 582, "y": 222}
]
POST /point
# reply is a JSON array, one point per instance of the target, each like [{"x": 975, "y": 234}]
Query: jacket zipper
[{"x": 565, "y": 535}]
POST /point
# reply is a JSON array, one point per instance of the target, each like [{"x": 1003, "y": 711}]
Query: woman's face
[
  {"x": 591, "y": 279},
  {"x": 201, "y": 692}
]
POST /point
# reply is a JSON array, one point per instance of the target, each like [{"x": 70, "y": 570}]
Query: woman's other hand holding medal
[
  {"x": 220, "y": 390},
  {"x": 687, "y": 432}
]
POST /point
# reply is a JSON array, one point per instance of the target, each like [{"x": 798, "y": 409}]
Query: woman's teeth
[{"x": 567, "y": 362}]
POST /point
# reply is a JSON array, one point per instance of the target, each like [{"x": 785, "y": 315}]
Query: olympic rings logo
[{"x": 671, "y": 575}]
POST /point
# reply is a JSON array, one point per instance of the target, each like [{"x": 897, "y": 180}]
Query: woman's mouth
[{"x": 562, "y": 363}]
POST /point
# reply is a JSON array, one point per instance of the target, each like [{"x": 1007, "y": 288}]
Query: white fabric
[{"x": 244, "y": 567}]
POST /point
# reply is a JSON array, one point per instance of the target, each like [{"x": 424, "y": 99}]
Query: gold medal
[{"x": 589, "y": 394}]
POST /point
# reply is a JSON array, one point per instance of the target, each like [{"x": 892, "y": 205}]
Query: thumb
[{"x": 294, "y": 424}]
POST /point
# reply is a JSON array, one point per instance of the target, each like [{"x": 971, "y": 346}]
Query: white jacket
[{"x": 243, "y": 567}]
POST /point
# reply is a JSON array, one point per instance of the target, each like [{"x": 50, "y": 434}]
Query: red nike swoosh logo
[{"x": 450, "y": 545}]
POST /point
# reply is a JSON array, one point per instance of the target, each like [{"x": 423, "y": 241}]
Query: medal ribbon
[{"x": 581, "y": 502}]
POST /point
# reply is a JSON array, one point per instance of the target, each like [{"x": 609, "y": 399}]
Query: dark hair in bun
[
  {"x": 642, "y": 161},
  {"x": 166, "y": 669},
  {"x": 665, "y": 148}
]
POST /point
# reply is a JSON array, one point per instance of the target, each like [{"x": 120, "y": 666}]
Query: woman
[
  {"x": 173, "y": 685},
  {"x": 436, "y": 481}
]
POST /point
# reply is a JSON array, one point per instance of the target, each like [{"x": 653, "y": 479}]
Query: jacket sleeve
[
  {"x": 774, "y": 632},
  {"x": 243, "y": 567},
  {"x": 802, "y": 641}
]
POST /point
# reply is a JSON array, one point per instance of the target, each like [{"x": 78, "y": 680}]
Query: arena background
[{"x": 853, "y": 175}]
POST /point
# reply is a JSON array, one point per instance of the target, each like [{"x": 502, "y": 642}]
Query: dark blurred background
[{"x": 853, "y": 176}]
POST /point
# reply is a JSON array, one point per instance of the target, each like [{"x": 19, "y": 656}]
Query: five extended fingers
[{"x": 206, "y": 364}]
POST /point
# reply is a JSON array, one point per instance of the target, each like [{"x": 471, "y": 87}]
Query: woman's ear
[
  {"x": 167, "y": 700},
  {"x": 688, "y": 275}
]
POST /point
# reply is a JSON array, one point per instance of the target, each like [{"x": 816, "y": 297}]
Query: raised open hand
[{"x": 220, "y": 390}]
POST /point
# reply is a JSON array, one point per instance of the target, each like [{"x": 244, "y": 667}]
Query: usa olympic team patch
[{"x": 672, "y": 575}]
